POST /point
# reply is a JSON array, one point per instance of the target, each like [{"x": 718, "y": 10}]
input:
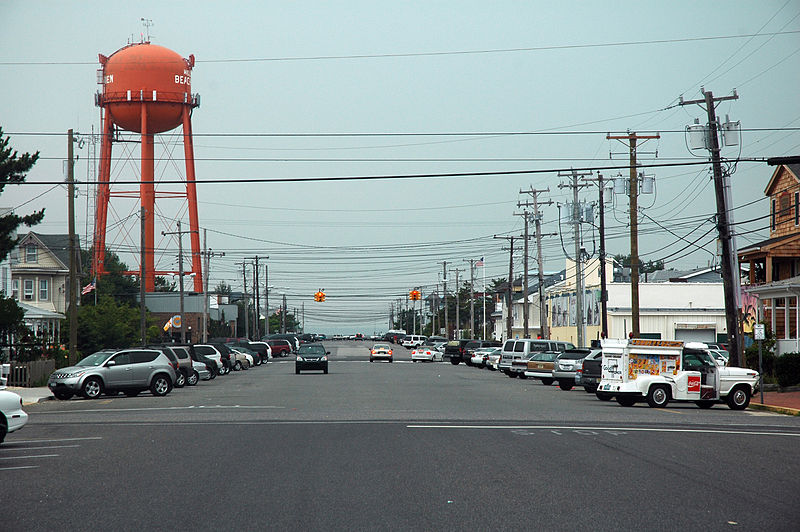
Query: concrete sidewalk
[{"x": 32, "y": 395}]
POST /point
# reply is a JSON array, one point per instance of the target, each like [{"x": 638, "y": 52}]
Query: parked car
[
  {"x": 454, "y": 351},
  {"x": 473, "y": 345},
  {"x": 567, "y": 364},
  {"x": 540, "y": 366},
  {"x": 209, "y": 351},
  {"x": 493, "y": 357},
  {"x": 263, "y": 350},
  {"x": 128, "y": 370},
  {"x": 202, "y": 371},
  {"x": 425, "y": 354},
  {"x": 12, "y": 417},
  {"x": 591, "y": 372},
  {"x": 381, "y": 352},
  {"x": 241, "y": 360},
  {"x": 184, "y": 370},
  {"x": 311, "y": 357},
  {"x": 480, "y": 356},
  {"x": 294, "y": 342},
  {"x": 211, "y": 365},
  {"x": 527, "y": 347},
  {"x": 434, "y": 340},
  {"x": 280, "y": 348}
]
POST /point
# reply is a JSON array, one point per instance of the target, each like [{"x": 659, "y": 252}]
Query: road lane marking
[
  {"x": 62, "y": 439},
  {"x": 6, "y": 448},
  {"x": 158, "y": 408},
  {"x": 19, "y": 467},
  {"x": 31, "y": 456},
  {"x": 631, "y": 429}
]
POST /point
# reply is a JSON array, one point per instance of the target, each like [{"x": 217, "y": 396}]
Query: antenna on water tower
[{"x": 146, "y": 22}]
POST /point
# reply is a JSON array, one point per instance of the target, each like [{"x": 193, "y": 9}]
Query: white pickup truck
[{"x": 660, "y": 371}]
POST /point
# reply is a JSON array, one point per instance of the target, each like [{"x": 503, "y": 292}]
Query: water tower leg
[
  {"x": 101, "y": 203},
  {"x": 148, "y": 198},
  {"x": 191, "y": 196}
]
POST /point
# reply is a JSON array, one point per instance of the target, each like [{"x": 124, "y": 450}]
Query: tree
[
  {"x": 13, "y": 170},
  {"x": 223, "y": 288},
  {"x": 110, "y": 323}
]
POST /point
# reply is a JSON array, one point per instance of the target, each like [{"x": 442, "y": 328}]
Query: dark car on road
[
  {"x": 311, "y": 357},
  {"x": 455, "y": 351}
]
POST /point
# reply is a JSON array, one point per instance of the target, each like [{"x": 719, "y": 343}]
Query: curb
[{"x": 777, "y": 409}]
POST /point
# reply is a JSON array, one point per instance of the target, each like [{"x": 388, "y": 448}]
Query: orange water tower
[{"x": 146, "y": 90}]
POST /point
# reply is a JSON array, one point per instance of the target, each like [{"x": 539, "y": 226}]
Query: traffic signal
[
  {"x": 415, "y": 295},
  {"x": 319, "y": 296}
]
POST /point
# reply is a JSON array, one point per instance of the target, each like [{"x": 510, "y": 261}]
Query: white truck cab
[{"x": 660, "y": 371}]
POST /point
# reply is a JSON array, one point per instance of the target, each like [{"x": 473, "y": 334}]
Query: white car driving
[{"x": 425, "y": 354}]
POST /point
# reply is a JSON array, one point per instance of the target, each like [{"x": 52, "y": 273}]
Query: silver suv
[{"x": 128, "y": 370}]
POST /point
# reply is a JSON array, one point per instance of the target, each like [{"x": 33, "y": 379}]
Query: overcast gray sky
[{"x": 579, "y": 69}]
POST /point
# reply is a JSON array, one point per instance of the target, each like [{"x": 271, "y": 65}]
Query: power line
[{"x": 439, "y": 53}]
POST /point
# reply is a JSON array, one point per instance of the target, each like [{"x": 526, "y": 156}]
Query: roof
[
  {"x": 36, "y": 313},
  {"x": 766, "y": 244},
  {"x": 58, "y": 245},
  {"x": 784, "y": 288},
  {"x": 699, "y": 275},
  {"x": 794, "y": 169}
]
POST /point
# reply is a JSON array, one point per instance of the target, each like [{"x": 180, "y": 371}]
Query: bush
[
  {"x": 787, "y": 369},
  {"x": 767, "y": 359}
]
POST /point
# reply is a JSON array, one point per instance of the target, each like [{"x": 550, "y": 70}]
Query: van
[{"x": 525, "y": 348}]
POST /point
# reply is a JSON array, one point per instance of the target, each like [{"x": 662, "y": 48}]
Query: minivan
[{"x": 524, "y": 348}]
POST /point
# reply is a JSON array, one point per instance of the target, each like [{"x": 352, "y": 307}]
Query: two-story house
[
  {"x": 40, "y": 271},
  {"x": 774, "y": 263}
]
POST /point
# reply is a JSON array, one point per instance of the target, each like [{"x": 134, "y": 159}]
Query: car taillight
[
  {"x": 373, "y": 352},
  {"x": 390, "y": 351}
]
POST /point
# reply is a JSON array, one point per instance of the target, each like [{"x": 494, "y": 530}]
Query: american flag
[
  {"x": 480, "y": 262},
  {"x": 89, "y": 287}
]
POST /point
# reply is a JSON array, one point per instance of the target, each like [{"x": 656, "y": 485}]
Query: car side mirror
[{"x": 111, "y": 363}]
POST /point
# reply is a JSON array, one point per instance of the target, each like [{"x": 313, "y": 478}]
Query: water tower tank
[{"x": 143, "y": 73}]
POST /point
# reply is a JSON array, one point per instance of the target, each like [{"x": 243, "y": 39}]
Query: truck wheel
[
  {"x": 511, "y": 374},
  {"x": 738, "y": 398},
  {"x": 625, "y": 400},
  {"x": 590, "y": 389},
  {"x": 704, "y": 404},
  {"x": 547, "y": 382},
  {"x": 603, "y": 396},
  {"x": 454, "y": 362},
  {"x": 522, "y": 376},
  {"x": 565, "y": 386},
  {"x": 658, "y": 396}
]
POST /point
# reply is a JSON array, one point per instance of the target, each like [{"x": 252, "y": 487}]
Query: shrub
[
  {"x": 787, "y": 369},
  {"x": 767, "y": 359}
]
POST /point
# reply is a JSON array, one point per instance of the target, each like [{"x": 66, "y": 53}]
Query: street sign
[{"x": 758, "y": 331}]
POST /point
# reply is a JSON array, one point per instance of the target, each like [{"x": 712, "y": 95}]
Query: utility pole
[
  {"x": 576, "y": 228},
  {"x": 444, "y": 281},
  {"x": 537, "y": 219},
  {"x": 525, "y": 334},
  {"x": 180, "y": 273},
  {"x": 257, "y": 319},
  {"x": 246, "y": 313},
  {"x": 73, "y": 264},
  {"x": 603, "y": 280},
  {"x": 283, "y": 316},
  {"x": 207, "y": 254},
  {"x": 458, "y": 304},
  {"x": 509, "y": 288},
  {"x": 633, "y": 199},
  {"x": 266, "y": 297},
  {"x": 723, "y": 225},
  {"x": 472, "y": 298}
]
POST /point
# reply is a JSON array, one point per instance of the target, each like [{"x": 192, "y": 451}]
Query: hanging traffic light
[
  {"x": 319, "y": 295},
  {"x": 414, "y": 295}
]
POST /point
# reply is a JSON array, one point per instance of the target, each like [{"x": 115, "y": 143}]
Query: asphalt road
[{"x": 401, "y": 446}]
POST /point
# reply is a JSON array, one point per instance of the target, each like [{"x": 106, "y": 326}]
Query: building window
[
  {"x": 772, "y": 216},
  {"x": 15, "y": 288},
  {"x": 27, "y": 290},
  {"x": 31, "y": 253},
  {"x": 44, "y": 290}
]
